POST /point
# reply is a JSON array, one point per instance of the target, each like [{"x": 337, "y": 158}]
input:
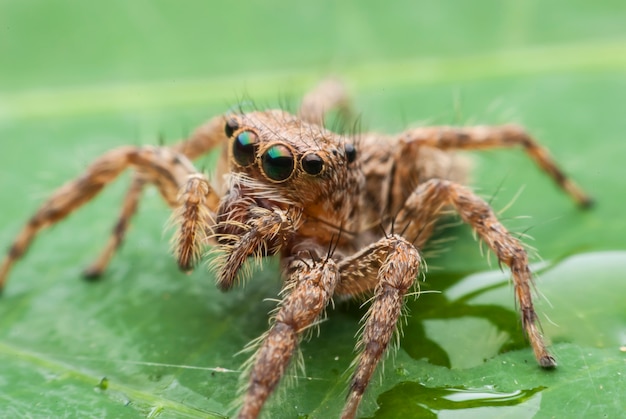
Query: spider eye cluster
[{"x": 277, "y": 162}]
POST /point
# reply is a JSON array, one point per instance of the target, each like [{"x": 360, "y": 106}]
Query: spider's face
[{"x": 277, "y": 157}]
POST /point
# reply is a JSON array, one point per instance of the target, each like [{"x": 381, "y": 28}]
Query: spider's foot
[
  {"x": 586, "y": 202},
  {"x": 92, "y": 273},
  {"x": 547, "y": 362}
]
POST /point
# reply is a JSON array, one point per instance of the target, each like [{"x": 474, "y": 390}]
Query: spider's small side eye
[
  {"x": 231, "y": 126},
  {"x": 278, "y": 163},
  {"x": 312, "y": 164},
  {"x": 244, "y": 148},
  {"x": 350, "y": 153}
]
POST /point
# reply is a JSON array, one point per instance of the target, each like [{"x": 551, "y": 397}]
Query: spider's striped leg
[
  {"x": 163, "y": 167},
  {"x": 416, "y": 219},
  {"x": 307, "y": 293},
  {"x": 390, "y": 266},
  {"x": 436, "y": 194},
  {"x": 129, "y": 208},
  {"x": 487, "y": 137},
  {"x": 201, "y": 141}
]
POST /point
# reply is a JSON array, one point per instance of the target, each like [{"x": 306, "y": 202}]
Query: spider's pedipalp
[
  {"x": 195, "y": 217},
  {"x": 264, "y": 233}
]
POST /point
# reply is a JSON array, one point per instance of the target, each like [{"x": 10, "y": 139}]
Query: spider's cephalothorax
[
  {"x": 295, "y": 177},
  {"x": 328, "y": 204}
]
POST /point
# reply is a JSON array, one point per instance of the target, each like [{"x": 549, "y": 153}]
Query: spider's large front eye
[
  {"x": 244, "y": 147},
  {"x": 277, "y": 163},
  {"x": 312, "y": 164}
]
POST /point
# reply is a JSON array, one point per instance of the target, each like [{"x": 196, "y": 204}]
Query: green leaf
[{"x": 80, "y": 78}]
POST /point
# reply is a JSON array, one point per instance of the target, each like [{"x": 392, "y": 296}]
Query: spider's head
[
  {"x": 286, "y": 178},
  {"x": 278, "y": 160}
]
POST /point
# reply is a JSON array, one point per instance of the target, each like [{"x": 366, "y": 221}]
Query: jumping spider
[{"x": 330, "y": 205}]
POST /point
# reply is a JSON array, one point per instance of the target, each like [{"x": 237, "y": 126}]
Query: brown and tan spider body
[{"x": 348, "y": 214}]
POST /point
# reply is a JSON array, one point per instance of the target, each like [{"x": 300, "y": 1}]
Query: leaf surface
[{"x": 78, "y": 79}]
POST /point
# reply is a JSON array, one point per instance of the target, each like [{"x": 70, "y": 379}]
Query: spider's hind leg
[
  {"x": 488, "y": 137},
  {"x": 328, "y": 95}
]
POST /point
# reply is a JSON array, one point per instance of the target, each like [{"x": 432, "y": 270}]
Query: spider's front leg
[
  {"x": 390, "y": 267},
  {"x": 161, "y": 166},
  {"x": 201, "y": 141},
  {"x": 306, "y": 294},
  {"x": 129, "y": 208},
  {"x": 423, "y": 207}
]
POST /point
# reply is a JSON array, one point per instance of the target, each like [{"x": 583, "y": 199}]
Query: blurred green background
[{"x": 78, "y": 78}]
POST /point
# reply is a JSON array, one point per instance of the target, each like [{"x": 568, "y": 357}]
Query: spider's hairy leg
[
  {"x": 264, "y": 233},
  {"x": 195, "y": 217},
  {"x": 486, "y": 137},
  {"x": 204, "y": 139},
  {"x": 435, "y": 194},
  {"x": 327, "y": 95},
  {"x": 129, "y": 208},
  {"x": 391, "y": 266},
  {"x": 163, "y": 167},
  {"x": 201, "y": 141},
  {"x": 308, "y": 292}
]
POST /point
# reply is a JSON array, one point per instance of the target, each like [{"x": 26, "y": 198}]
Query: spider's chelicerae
[{"x": 330, "y": 205}]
